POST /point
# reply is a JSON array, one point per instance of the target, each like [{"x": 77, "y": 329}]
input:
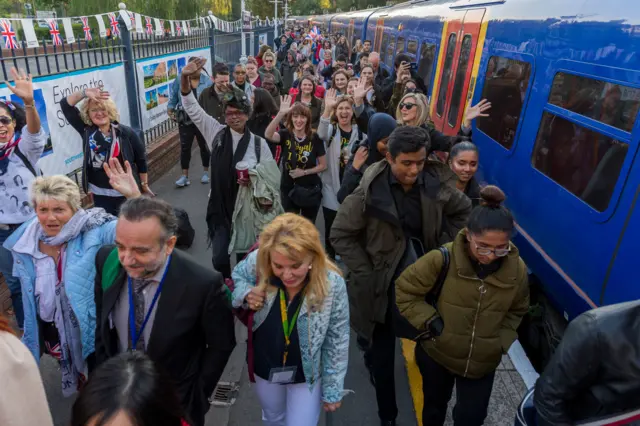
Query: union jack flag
[
  {"x": 86, "y": 28},
  {"x": 133, "y": 20},
  {"x": 178, "y": 28},
  {"x": 9, "y": 35},
  {"x": 55, "y": 32},
  {"x": 149, "y": 26},
  {"x": 113, "y": 21}
]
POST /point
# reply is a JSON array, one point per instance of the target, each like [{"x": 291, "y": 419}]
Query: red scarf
[{"x": 8, "y": 149}]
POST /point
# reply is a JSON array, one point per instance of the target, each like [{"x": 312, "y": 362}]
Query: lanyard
[
  {"x": 135, "y": 335},
  {"x": 287, "y": 326}
]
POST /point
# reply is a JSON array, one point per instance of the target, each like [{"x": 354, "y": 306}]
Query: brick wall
[{"x": 162, "y": 155}]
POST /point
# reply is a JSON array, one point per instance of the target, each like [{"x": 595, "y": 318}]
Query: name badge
[{"x": 282, "y": 375}]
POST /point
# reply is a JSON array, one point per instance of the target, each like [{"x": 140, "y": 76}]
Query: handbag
[{"x": 304, "y": 196}]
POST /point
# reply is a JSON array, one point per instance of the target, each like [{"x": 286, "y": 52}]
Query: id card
[{"x": 282, "y": 375}]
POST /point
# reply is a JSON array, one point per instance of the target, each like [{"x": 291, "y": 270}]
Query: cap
[{"x": 238, "y": 99}]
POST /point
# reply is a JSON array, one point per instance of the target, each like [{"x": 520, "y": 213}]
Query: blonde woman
[
  {"x": 413, "y": 110},
  {"x": 103, "y": 137},
  {"x": 269, "y": 67},
  {"x": 300, "y": 333}
]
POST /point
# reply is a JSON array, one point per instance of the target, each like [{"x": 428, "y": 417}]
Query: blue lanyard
[{"x": 135, "y": 335}]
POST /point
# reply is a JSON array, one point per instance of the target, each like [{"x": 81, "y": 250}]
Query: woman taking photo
[
  {"x": 22, "y": 141},
  {"x": 104, "y": 138},
  {"x": 54, "y": 255},
  {"x": 253, "y": 76},
  {"x": 474, "y": 321},
  {"x": 301, "y": 325},
  {"x": 340, "y": 134},
  {"x": 304, "y": 158},
  {"x": 264, "y": 109},
  {"x": 463, "y": 161},
  {"x": 128, "y": 390}
]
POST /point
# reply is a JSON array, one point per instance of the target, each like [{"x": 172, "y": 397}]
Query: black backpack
[
  {"x": 401, "y": 326},
  {"x": 185, "y": 233}
]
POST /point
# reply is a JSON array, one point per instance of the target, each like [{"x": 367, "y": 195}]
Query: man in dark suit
[{"x": 154, "y": 298}]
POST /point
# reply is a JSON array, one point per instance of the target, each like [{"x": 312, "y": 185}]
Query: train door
[
  {"x": 350, "y": 39},
  {"x": 377, "y": 42},
  {"x": 455, "y": 74}
]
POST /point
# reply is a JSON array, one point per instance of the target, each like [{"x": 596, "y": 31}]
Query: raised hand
[
  {"x": 120, "y": 179},
  {"x": 96, "y": 94},
  {"x": 360, "y": 91},
  {"x": 23, "y": 86},
  {"x": 330, "y": 99},
  {"x": 478, "y": 110},
  {"x": 193, "y": 66},
  {"x": 285, "y": 104}
]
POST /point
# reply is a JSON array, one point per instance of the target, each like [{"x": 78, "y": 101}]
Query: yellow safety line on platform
[{"x": 415, "y": 378}]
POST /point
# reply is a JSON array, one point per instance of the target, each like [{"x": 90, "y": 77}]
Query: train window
[
  {"x": 457, "y": 100},
  {"x": 446, "y": 75},
  {"x": 425, "y": 65},
  {"x": 609, "y": 103},
  {"x": 385, "y": 42},
  {"x": 391, "y": 47},
  {"x": 400, "y": 44},
  {"x": 584, "y": 162},
  {"x": 505, "y": 86},
  {"x": 412, "y": 47}
]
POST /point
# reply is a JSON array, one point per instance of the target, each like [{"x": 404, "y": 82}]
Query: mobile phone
[{"x": 414, "y": 66}]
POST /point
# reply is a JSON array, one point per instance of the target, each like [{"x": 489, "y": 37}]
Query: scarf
[
  {"x": 5, "y": 152},
  {"x": 81, "y": 221},
  {"x": 224, "y": 185}
]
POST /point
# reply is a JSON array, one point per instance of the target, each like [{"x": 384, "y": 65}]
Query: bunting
[
  {"x": 86, "y": 28},
  {"x": 55, "y": 32},
  {"x": 178, "y": 28},
  {"x": 10, "y": 41},
  {"x": 162, "y": 26},
  {"x": 149, "y": 25},
  {"x": 113, "y": 22}
]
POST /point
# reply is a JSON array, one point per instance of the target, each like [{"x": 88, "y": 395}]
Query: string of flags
[{"x": 132, "y": 20}]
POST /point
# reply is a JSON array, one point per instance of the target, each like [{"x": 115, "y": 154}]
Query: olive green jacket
[{"x": 480, "y": 316}]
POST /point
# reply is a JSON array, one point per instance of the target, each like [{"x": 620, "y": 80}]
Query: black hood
[{"x": 380, "y": 126}]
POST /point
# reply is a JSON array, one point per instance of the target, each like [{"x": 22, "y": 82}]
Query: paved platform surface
[{"x": 359, "y": 407}]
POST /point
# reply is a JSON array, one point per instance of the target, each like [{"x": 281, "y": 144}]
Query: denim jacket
[
  {"x": 175, "y": 100},
  {"x": 323, "y": 331}
]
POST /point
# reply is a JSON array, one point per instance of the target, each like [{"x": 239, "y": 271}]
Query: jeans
[
  {"x": 329, "y": 217},
  {"x": 289, "y": 405},
  {"x": 187, "y": 133},
  {"x": 6, "y": 268},
  {"x": 472, "y": 395}
]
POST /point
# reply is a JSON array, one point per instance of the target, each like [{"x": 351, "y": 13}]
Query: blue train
[{"x": 564, "y": 80}]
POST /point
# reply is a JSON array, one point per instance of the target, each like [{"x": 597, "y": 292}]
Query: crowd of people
[{"x": 143, "y": 332}]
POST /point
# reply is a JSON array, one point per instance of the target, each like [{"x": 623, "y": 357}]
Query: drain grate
[{"x": 225, "y": 394}]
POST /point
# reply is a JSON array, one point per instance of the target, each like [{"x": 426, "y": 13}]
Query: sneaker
[
  {"x": 205, "y": 178},
  {"x": 183, "y": 181}
]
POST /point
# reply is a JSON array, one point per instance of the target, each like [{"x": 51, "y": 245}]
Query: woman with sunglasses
[
  {"x": 474, "y": 320},
  {"x": 269, "y": 67},
  {"x": 22, "y": 141}
]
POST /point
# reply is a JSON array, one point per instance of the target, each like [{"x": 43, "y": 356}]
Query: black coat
[
  {"x": 472, "y": 191},
  {"x": 193, "y": 330},
  {"x": 595, "y": 371},
  {"x": 133, "y": 149}
]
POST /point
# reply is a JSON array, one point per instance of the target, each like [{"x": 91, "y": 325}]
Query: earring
[{"x": 310, "y": 266}]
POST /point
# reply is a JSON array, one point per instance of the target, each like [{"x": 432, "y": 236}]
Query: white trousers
[{"x": 289, "y": 405}]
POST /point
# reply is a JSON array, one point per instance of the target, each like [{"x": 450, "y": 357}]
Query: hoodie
[{"x": 380, "y": 126}]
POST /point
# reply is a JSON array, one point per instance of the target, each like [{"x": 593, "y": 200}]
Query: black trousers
[
  {"x": 187, "y": 133},
  {"x": 109, "y": 204},
  {"x": 379, "y": 358},
  {"x": 290, "y": 207},
  {"x": 329, "y": 217},
  {"x": 220, "y": 238},
  {"x": 472, "y": 395}
]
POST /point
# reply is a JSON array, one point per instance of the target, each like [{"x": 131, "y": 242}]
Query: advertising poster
[
  {"x": 156, "y": 77},
  {"x": 63, "y": 151}
]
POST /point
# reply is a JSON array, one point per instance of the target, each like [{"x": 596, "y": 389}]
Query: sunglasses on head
[
  {"x": 408, "y": 107},
  {"x": 4, "y": 120}
]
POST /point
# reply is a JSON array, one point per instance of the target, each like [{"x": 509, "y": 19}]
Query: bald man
[{"x": 379, "y": 73}]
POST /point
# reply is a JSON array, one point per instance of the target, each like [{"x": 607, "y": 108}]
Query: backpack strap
[
  {"x": 26, "y": 161},
  {"x": 110, "y": 269},
  {"x": 442, "y": 275},
  {"x": 333, "y": 135}
]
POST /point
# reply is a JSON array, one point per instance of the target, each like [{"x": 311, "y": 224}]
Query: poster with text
[
  {"x": 63, "y": 151},
  {"x": 156, "y": 77}
]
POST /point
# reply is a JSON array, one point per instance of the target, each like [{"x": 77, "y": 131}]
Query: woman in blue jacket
[
  {"x": 54, "y": 259},
  {"x": 300, "y": 345}
]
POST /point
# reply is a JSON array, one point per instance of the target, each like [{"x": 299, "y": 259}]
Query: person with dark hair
[
  {"x": 128, "y": 389},
  {"x": 230, "y": 145},
  {"x": 22, "y": 141},
  {"x": 240, "y": 80},
  {"x": 593, "y": 375},
  {"x": 156, "y": 299},
  {"x": 474, "y": 320},
  {"x": 186, "y": 129},
  {"x": 402, "y": 202},
  {"x": 96, "y": 119},
  {"x": 304, "y": 159},
  {"x": 363, "y": 59},
  {"x": 264, "y": 109},
  {"x": 54, "y": 254},
  {"x": 366, "y": 48},
  {"x": 253, "y": 76},
  {"x": 401, "y": 67},
  {"x": 463, "y": 160},
  {"x": 269, "y": 84},
  {"x": 339, "y": 64},
  {"x": 288, "y": 68},
  {"x": 306, "y": 96},
  {"x": 211, "y": 99}
]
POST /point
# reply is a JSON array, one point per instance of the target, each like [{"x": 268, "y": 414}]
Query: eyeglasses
[
  {"x": 240, "y": 73},
  {"x": 268, "y": 60},
  {"x": 484, "y": 251},
  {"x": 408, "y": 107},
  {"x": 5, "y": 121},
  {"x": 97, "y": 111}
]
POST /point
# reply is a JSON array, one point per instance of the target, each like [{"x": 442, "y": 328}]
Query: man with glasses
[
  {"x": 230, "y": 145},
  {"x": 401, "y": 199}
]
